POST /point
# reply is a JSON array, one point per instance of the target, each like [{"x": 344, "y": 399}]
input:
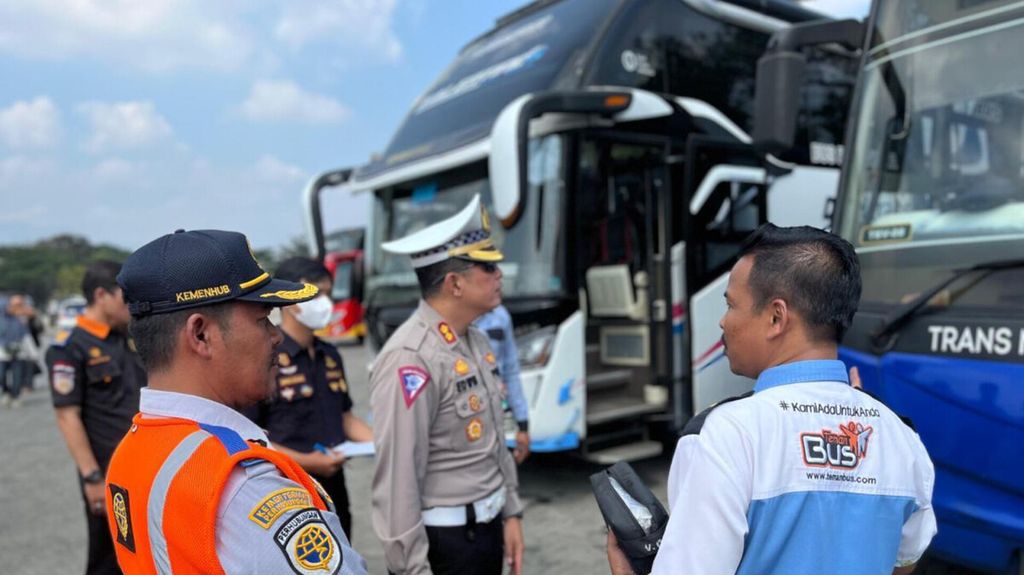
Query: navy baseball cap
[{"x": 201, "y": 267}]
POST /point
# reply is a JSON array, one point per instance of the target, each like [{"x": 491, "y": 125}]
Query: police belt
[{"x": 482, "y": 511}]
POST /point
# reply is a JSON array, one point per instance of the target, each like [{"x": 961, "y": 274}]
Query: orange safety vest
[{"x": 163, "y": 491}]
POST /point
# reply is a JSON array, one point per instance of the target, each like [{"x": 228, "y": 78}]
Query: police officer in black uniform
[
  {"x": 311, "y": 410},
  {"x": 95, "y": 378}
]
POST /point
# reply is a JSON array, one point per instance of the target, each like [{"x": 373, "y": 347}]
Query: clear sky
[{"x": 121, "y": 120}]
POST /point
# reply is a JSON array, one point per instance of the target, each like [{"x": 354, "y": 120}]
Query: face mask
[{"x": 315, "y": 313}]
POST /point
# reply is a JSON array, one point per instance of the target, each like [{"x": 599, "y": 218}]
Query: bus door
[
  {"x": 622, "y": 206},
  {"x": 727, "y": 200}
]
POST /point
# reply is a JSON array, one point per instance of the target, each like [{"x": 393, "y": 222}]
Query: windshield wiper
[{"x": 882, "y": 338}]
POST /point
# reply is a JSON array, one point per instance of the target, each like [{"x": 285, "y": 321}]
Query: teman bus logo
[{"x": 843, "y": 450}]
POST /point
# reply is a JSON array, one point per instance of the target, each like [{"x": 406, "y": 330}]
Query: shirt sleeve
[
  {"x": 921, "y": 527},
  {"x": 67, "y": 380},
  {"x": 708, "y": 520},
  {"x": 403, "y": 399},
  {"x": 509, "y": 357},
  {"x": 267, "y": 525}
]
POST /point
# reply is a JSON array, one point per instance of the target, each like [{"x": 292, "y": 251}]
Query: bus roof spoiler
[
  {"x": 510, "y": 134},
  {"x": 311, "y": 205}
]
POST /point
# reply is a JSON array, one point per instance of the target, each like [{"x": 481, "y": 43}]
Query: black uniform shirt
[
  {"x": 97, "y": 369},
  {"x": 310, "y": 398}
]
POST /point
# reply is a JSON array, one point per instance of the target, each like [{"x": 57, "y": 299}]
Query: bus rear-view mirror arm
[
  {"x": 780, "y": 76},
  {"x": 311, "y": 199},
  {"x": 510, "y": 134}
]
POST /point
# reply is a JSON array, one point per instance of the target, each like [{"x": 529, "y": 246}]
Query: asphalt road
[
  {"x": 43, "y": 527},
  {"x": 42, "y": 531}
]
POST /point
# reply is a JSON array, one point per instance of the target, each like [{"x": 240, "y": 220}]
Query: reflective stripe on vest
[{"x": 158, "y": 496}]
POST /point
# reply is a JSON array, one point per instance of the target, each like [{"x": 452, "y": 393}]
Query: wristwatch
[{"x": 96, "y": 476}]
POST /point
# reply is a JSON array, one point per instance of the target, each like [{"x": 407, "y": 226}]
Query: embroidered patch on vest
[
  {"x": 266, "y": 512},
  {"x": 414, "y": 381},
  {"x": 122, "y": 516},
  {"x": 309, "y": 545}
]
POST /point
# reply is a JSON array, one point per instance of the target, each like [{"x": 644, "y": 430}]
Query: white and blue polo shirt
[{"x": 806, "y": 476}]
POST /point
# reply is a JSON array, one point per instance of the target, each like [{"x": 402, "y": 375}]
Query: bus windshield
[
  {"x": 936, "y": 155},
  {"x": 532, "y": 247},
  {"x": 526, "y": 55}
]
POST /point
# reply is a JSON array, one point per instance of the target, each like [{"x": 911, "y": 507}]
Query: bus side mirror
[
  {"x": 779, "y": 78},
  {"x": 510, "y": 135}
]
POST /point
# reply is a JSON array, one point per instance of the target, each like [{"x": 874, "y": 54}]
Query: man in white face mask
[{"x": 310, "y": 410}]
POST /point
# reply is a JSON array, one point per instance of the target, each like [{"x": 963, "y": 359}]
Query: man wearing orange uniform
[{"x": 192, "y": 488}]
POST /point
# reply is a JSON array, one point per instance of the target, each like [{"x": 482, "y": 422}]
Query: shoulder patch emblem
[
  {"x": 446, "y": 332},
  {"x": 331, "y": 364},
  {"x": 95, "y": 352},
  {"x": 474, "y": 429},
  {"x": 266, "y": 512},
  {"x": 490, "y": 358},
  {"x": 283, "y": 359},
  {"x": 461, "y": 367},
  {"x": 309, "y": 545},
  {"x": 62, "y": 377},
  {"x": 122, "y": 516},
  {"x": 414, "y": 380}
]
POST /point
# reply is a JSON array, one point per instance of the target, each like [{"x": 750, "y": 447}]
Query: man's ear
[
  {"x": 779, "y": 317},
  {"x": 452, "y": 283},
  {"x": 199, "y": 335}
]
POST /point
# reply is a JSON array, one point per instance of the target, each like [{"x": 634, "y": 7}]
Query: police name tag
[{"x": 309, "y": 545}]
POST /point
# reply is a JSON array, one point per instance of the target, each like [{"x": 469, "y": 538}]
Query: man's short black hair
[
  {"x": 432, "y": 277},
  {"x": 100, "y": 274},
  {"x": 156, "y": 335},
  {"x": 299, "y": 268},
  {"x": 817, "y": 274}
]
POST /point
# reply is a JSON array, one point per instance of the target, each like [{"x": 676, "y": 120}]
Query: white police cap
[{"x": 466, "y": 235}]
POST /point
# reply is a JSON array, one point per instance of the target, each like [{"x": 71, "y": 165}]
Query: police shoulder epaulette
[
  {"x": 413, "y": 339},
  {"x": 61, "y": 339},
  {"x": 696, "y": 422}
]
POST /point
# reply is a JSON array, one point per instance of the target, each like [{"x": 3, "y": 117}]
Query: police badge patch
[
  {"x": 414, "y": 381},
  {"x": 309, "y": 545},
  {"x": 62, "y": 377}
]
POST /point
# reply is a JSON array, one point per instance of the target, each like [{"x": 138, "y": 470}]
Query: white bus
[{"x": 610, "y": 140}]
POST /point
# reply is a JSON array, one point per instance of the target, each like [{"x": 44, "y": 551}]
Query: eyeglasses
[{"x": 488, "y": 267}]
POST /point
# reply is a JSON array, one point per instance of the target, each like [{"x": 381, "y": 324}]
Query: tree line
[{"x": 53, "y": 268}]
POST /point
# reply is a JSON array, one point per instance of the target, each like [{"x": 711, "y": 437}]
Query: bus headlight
[{"x": 535, "y": 347}]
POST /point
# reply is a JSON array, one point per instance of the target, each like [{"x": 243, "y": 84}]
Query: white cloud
[
  {"x": 154, "y": 35},
  {"x": 281, "y": 100},
  {"x": 123, "y": 125},
  {"x": 115, "y": 170},
  {"x": 30, "y": 124},
  {"x": 270, "y": 168},
  {"x": 362, "y": 23}
]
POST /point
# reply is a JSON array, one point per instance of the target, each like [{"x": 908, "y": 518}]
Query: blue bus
[{"x": 932, "y": 196}]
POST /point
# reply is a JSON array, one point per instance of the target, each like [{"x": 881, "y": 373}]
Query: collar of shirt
[
  {"x": 96, "y": 328},
  {"x": 435, "y": 322},
  {"x": 157, "y": 403},
  {"x": 289, "y": 345},
  {"x": 801, "y": 372}
]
